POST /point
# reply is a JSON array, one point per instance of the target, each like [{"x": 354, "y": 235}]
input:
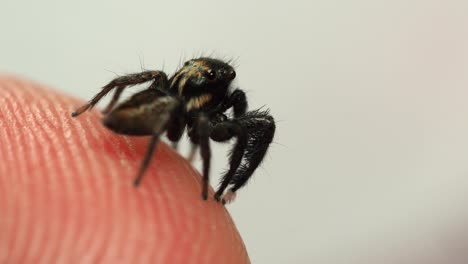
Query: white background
[{"x": 369, "y": 163}]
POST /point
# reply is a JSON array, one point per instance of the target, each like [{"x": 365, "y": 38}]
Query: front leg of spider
[
  {"x": 260, "y": 128},
  {"x": 223, "y": 132}
]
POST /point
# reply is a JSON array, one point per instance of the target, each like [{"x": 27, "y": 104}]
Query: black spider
[{"x": 197, "y": 97}]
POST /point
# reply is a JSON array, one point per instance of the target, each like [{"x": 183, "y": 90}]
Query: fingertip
[{"x": 67, "y": 191}]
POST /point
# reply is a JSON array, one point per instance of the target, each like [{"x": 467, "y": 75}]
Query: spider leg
[
  {"x": 260, "y": 127},
  {"x": 225, "y": 131},
  {"x": 114, "y": 100},
  {"x": 146, "y": 160},
  {"x": 202, "y": 130},
  {"x": 127, "y": 80}
]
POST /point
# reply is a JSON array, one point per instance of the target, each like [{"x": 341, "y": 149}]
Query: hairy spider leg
[
  {"x": 146, "y": 160},
  {"x": 114, "y": 99},
  {"x": 226, "y": 130},
  {"x": 127, "y": 80},
  {"x": 223, "y": 132},
  {"x": 260, "y": 127}
]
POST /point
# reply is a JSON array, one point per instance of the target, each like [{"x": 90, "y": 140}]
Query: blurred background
[{"x": 369, "y": 163}]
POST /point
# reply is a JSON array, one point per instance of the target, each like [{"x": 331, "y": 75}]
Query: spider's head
[{"x": 203, "y": 76}]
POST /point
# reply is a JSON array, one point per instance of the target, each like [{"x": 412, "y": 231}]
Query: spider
[{"x": 197, "y": 98}]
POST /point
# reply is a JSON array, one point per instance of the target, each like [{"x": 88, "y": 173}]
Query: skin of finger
[{"x": 66, "y": 193}]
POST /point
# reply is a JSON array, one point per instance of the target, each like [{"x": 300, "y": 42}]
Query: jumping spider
[{"x": 197, "y": 97}]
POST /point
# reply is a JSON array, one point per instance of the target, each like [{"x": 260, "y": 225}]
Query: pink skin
[{"x": 66, "y": 193}]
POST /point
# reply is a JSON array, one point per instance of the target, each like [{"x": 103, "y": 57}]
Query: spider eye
[{"x": 210, "y": 74}]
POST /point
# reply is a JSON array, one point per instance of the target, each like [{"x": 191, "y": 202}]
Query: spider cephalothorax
[{"x": 197, "y": 97}]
